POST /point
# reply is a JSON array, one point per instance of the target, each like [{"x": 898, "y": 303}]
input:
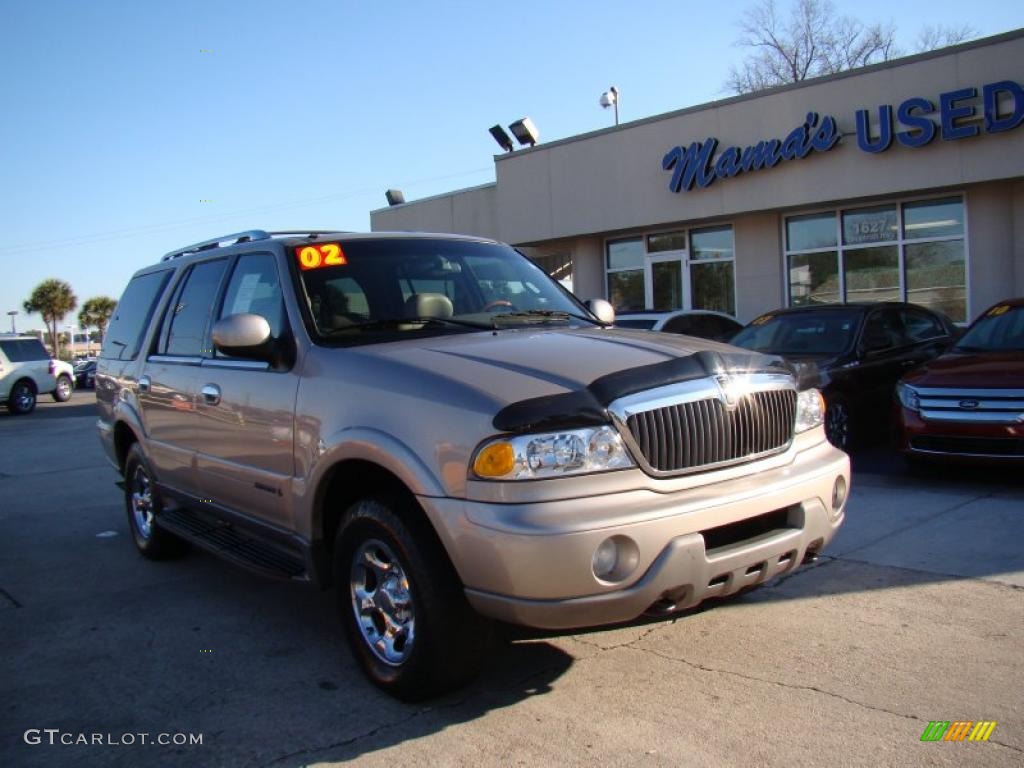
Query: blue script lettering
[
  {"x": 693, "y": 164},
  {"x": 690, "y": 164}
]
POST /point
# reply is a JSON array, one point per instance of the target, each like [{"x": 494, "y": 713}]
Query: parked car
[
  {"x": 968, "y": 404},
  {"x": 702, "y": 323},
  {"x": 27, "y": 371},
  {"x": 857, "y": 353},
  {"x": 85, "y": 374},
  {"x": 434, "y": 426}
]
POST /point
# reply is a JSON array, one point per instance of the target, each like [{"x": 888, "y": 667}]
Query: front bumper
[
  {"x": 968, "y": 442},
  {"x": 542, "y": 575}
]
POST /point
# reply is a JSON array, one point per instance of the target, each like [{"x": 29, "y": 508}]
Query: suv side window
[
  {"x": 23, "y": 350},
  {"x": 189, "y": 313},
  {"x": 254, "y": 288},
  {"x": 131, "y": 318},
  {"x": 920, "y": 326}
]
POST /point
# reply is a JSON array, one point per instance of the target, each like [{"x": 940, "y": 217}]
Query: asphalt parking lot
[{"x": 916, "y": 614}]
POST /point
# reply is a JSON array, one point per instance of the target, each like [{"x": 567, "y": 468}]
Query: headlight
[
  {"x": 810, "y": 410},
  {"x": 552, "y": 454},
  {"x": 907, "y": 396}
]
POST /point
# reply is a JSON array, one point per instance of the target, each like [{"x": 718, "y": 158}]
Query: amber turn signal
[{"x": 495, "y": 460}]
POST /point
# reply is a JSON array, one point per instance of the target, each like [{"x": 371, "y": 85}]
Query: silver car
[{"x": 440, "y": 431}]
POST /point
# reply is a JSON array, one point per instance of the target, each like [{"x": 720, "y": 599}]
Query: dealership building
[{"x": 902, "y": 180}]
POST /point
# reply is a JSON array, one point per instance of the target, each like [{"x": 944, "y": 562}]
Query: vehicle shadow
[
  {"x": 64, "y": 411},
  {"x": 519, "y": 669},
  {"x": 52, "y": 411}
]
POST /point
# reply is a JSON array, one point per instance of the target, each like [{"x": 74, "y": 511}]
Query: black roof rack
[{"x": 206, "y": 245}]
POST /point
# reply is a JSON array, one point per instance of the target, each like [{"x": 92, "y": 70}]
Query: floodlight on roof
[
  {"x": 525, "y": 131},
  {"x": 394, "y": 197},
  {"x": 502, "y": 138}
]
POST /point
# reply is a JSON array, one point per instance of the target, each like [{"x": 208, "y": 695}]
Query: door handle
[
  {"x": 211, "y": 394},
  {"x": 144, "y": 383}
]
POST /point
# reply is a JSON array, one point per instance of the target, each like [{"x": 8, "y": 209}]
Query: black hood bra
[{"x": 589, "y": 406}]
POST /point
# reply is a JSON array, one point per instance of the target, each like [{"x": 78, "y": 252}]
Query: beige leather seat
[{"x": 429, "y": 305}]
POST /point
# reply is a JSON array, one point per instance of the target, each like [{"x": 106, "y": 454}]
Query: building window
[
  {"x": 712, "y": 274},
  {"x": 682, "y": 269},
  {"x": 558, "y": 266},
  {"x": 912, "y": 251},
  {"x": 626, "y": 273}
]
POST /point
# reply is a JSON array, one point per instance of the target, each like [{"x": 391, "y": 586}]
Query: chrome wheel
[
  {"x": 837, "y": 425},
  {"x": 63, "y": 388},
  {"x": 23, "y": 397},
  {"x": 142, "y": 502},
  {"x": 381, "y": 602}
]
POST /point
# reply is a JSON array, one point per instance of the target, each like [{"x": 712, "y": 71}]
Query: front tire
[
  {"x": 839, "y": 426},
  {"x": 22, "y": 398},
  {"x": 64, "y": 388},
  {"x": 142, "y": 502},
  {"x": 401, "y": 603}
]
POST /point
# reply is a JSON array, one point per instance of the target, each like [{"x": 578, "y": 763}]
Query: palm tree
[
  {"x": 96, "y": 313},
  {"x": 52, "y": 299}
]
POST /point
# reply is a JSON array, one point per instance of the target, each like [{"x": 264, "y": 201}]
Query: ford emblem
[{"x": 969, "y": 404}]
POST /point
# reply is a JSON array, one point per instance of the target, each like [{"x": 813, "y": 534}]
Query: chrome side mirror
[
  {"x": 602, "y": 310},
  {"x": 244, "y": 335}
]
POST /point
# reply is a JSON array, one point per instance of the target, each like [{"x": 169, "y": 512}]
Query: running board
[{"x": 228, "y": 541}]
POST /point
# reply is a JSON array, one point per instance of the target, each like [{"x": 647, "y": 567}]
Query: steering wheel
[{"x": 498, "y": 303}]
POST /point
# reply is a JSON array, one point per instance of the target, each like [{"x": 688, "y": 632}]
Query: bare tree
[
  {"x": 812, "y": 40},
  {"x": 934, "y": 36}
]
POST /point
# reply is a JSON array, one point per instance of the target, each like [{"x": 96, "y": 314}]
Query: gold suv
[{"x": 440, "y": 431}]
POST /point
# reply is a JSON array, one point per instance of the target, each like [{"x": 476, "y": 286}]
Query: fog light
[
  {"x": 605, "y": 559},
  {"x": 838, "y": 494},
  {"x": 616, "y": 559}
]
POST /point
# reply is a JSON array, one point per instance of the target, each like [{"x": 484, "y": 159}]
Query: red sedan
[{"x": 968, "y": 404}]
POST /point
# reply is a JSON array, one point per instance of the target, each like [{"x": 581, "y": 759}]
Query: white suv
[{"x": 27, "y": 371}]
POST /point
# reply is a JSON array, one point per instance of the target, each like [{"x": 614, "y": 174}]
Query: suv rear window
[
  {"x": 23, "y": 350},
  {"x": 132, "y": 316}
]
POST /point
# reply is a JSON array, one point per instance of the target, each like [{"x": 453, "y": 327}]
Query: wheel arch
[
  {"x": 341, "y": 485},
  {"x": 28, "y": 380}
]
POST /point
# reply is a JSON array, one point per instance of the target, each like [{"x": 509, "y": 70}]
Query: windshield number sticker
[
  {"x": 317, "y": 256},
  {"x": 1002, "y": 309},
  {"x": 762, "y": 320}
]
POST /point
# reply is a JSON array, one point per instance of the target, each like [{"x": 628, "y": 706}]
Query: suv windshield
[
  {"x": 825, "y": 332},
  {"x": 398, "y": 286},
  {"x": 1001, "y": 329}
]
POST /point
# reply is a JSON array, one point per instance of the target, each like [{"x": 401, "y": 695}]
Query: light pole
[
  {"x": 12, "y": 314},
  {"x": 610, "y": 98}
]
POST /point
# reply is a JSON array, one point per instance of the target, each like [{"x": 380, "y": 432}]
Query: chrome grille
[
  {"x": 992, "y": 406},
  {"x": 704, "y": 433}
]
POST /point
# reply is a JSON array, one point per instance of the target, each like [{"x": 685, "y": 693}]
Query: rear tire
[
  {"x": 143, "y": 504},
  {"x": 401, "y": 603},
  {"x": 22, "y": 398},
  {"x": 62, "y": 393}
]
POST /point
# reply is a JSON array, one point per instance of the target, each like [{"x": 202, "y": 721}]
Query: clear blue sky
[{"x": 116, "y": 124}]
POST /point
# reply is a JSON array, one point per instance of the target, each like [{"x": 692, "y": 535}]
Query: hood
[
  {"x": 569, "y": 371},
  {"x": 992, "y": 370}
]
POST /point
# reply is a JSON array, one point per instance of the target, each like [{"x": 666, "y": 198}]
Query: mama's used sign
[{"x": 920, "y": 121}]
